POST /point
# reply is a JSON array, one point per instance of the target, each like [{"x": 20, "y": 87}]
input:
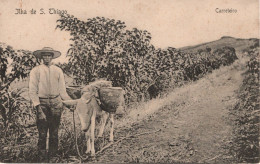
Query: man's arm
[
  {"x": 63, "y": 93},
  {"x": 33, "y": 87}
]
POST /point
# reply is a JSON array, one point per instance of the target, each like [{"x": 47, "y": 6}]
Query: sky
[{"x": 172, "y": 23}]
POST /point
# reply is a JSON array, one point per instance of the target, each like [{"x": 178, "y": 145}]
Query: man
[{"x": 46, "y": 90}]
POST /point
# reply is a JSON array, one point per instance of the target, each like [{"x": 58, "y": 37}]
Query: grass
[
  {"x": 178, "y": 96},
  {"x": 245, "y": 115}
]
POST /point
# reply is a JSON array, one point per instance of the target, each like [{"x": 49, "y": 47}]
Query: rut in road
[{"x": 193, "y": 120}]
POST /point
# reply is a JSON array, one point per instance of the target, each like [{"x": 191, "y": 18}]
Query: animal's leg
[
  {"x": 103, "y": 124},
  {"x": 93, "y": 121},
  {"x": 87, "y": 135},
  {"x": 111, "y": 138}
]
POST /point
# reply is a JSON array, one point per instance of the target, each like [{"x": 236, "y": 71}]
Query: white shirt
[{"x": 46, "y": 81}]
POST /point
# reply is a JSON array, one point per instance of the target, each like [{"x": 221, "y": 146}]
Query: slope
[
  {"x": 193, "y": 122},
  {"x": 237, "y": 43}
]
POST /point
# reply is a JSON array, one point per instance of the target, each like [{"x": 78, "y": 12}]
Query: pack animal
[{"x": 88, "y": 108}]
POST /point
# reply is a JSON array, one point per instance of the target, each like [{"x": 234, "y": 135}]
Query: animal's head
[
  {"x": 85, "y": 105},
  {"x": 111, "y": 98},
  {"x": 88, "y": 91}
]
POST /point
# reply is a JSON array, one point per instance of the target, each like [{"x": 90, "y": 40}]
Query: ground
[{"x": 190, "y": 125}]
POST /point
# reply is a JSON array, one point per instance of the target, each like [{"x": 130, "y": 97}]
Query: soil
[{"x": 193, "y": 124}]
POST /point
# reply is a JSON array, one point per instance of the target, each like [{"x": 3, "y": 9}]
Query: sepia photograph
[{"x": 129, "y": 81}]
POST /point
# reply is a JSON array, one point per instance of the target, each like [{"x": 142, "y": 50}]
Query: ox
[{"x": 88, "y": 107}]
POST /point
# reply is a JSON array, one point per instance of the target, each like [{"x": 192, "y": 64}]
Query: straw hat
[{"x": 38, "y": 53}]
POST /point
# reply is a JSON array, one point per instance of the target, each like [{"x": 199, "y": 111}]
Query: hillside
[
  {"x": 237, "y": 43},
  {"x": 191, "y": 121},
  {"x": 192, "y": 124}
]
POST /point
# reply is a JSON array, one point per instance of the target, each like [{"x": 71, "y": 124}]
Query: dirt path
[{"x": 194, "y": 124}]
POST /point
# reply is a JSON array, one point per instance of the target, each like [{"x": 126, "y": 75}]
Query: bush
[
  {"x": 15, "y": 111},
  {"x": 246, "y": 112},
  {"x": 104, "y": 48}
]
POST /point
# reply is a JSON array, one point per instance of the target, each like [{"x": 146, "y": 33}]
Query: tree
[
  {"x": 93, "y": 42},
  {"x": 104, "y": 48},
  {"x": 14, "y": 65}
]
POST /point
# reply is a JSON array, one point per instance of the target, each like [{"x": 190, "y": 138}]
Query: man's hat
[{"x": 38, "y": 53}]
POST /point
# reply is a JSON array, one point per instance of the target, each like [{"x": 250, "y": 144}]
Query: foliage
[
  {"x": 93, "y": 42},
  {"x": 253, "y": 63},
  {"x": 14, "y": 109},
  {"x": 104, "y": 48},
  {"x": 101, "y": 48},
  {"x": 246, "y": 112},
  {"x": 14, "y": 65}
]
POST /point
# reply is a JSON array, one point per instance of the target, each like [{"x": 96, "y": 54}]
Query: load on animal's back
[
  {"x": 106, "y": 98},
  {"x": 110, "y": 98},
  {"x": 98, "y": 98}
]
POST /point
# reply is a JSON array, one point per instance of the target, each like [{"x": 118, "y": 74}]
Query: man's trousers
[{"x": 52, "y": 109}]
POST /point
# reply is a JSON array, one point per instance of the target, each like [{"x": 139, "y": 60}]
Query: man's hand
[
  {"x": 70, "y": 104},
  {"x": 40, "y": 113}
]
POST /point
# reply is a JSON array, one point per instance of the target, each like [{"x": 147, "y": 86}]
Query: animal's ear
[
  {"x": 86, "y": 89},
  {"x": 89, "y": 88},
  {"x": 70, "y": 102}
]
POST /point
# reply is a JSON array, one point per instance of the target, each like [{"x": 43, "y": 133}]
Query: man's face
[{"x": 47, "y": 57}]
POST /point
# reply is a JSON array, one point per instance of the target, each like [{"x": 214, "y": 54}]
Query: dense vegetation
[
  {"x": 105, "y": 48},
  {"x": 246, "y": 113},
  {"x": 101, "y": 48},
  {"x": 15, "y": 111}
]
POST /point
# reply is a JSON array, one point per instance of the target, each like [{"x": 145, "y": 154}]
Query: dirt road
[{"x": 193, "y": 123}]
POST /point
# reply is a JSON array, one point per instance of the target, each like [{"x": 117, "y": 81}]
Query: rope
[
  {"x": 75, "y": 133},
  {"x": 76, "y": 140},
  {"x": 108, "y": 145}
]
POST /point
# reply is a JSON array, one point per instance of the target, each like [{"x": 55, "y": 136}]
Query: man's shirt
[{"x": 46, "y": 81}]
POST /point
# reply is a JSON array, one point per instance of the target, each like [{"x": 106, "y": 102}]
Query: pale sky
[{"x": 174, "y": 23}]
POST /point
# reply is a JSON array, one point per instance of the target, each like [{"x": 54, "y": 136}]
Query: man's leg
[
  {"x": 54, "y": 123},
  {"x": 42, "y": 127}
]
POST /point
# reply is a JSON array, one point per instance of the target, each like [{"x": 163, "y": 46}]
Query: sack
[{"x": 111, "y": 98}]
